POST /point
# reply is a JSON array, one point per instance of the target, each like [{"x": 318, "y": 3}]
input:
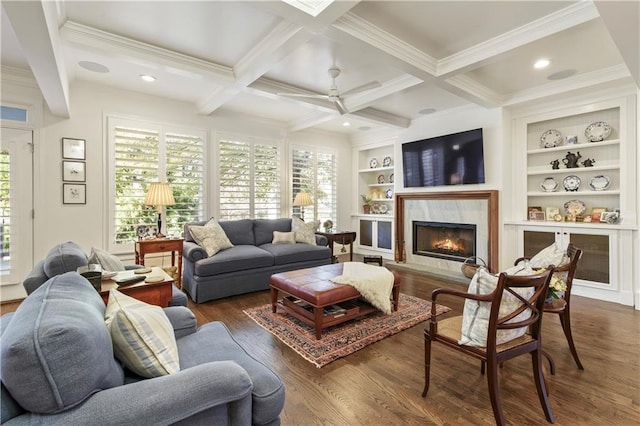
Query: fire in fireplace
[{"x": 450, "y": 241}]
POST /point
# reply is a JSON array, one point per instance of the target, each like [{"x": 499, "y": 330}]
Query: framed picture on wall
[
  {"x": 73, "y": 171},
  {"x": 73, "y": 149},
  {"x": 74, "y": 193}
]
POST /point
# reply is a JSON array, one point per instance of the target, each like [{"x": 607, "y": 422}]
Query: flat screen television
[{"x": 455, "y": 159}]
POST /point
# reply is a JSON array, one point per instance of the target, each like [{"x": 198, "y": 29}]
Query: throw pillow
[
  {"x": 305, "y": 231},
  {"x": 211, "y": 237},
  {"x": 108, "y": 261},
  {"x": 284, "y": 237},
  {"x": 475, "y": 315},
  {"x": 142, "y": 335},
  {"x": 551, "y": 255}
]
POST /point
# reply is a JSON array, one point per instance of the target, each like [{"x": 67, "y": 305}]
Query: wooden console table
[
  {"x": 160, "y": 245},
  {"x": 340, "y": 237}
]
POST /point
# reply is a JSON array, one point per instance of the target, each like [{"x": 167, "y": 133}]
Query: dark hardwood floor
[{"x": 381, "y": 384}]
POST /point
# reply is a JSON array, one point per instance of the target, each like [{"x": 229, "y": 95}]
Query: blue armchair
[{"x": 58, "y": 368}]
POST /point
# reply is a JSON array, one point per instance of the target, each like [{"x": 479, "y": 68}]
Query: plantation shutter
[
  {"x": 144, "y": 153},
  {"x": 315, "y": 173},
  {"x": 5, "y": 213},
  {"x": 249, "y": 179}
]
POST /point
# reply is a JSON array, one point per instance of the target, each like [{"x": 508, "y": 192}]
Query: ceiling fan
[{"x": 334, "y": 95}]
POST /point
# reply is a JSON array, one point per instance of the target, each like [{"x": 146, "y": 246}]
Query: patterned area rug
[{"x": 346, "y": 338}]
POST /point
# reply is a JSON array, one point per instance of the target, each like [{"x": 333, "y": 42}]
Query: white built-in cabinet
[
  {"x": 375, "y": 178},
  {"x": 606, "y": 270}
]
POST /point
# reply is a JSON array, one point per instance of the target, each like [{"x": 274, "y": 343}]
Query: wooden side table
[
  {"x": 341, "y": 237},
  {"x": 158, "y": 293},
  {"x": 160, "y": 245}
]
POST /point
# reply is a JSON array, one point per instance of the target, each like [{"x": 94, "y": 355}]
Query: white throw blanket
[{"x": 373, "y": 282}]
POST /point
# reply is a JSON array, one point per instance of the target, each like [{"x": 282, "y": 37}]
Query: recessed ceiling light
[
  {"x": 346, "y": 124},
  {"x": 561, "y": 74},
  {"x": 427, "y": 111},
  {"x": 541, "y": 63},
  {"x": 93, "y": 67},
  {"x": 147, "y": 77}
]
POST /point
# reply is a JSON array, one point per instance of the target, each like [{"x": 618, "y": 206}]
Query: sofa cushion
[
  {"x": 240, "y": 232},
  {"x": 292, "y": 253},
  {"x": 56, "y": 351},
  {"x": 142, "y": 336},
  {"x": 210, "y": 236},
  {"x": 214, "y": 342},
  {"x": 237, "y": 258},
  {"x": 64, "y": 257},
  {"x": 475, "y": 316},
  {"x": 284, "y": 237},
  {"x": 108, "y": 261},
  {"x": 263, "y": 229},
  {"x": 305, "y": 232}
]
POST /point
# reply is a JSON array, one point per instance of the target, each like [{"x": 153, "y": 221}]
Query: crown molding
[
  {"x": 367, "y": 32},
  {"x": 468, "y": 88},
  {"x": 18, "y": 77},
  {"x": 563, "y": 19},
  {"x": 390, "y": 87},
  {"x": 114, "y": 44},
  {"x": 310, "y": 7}
]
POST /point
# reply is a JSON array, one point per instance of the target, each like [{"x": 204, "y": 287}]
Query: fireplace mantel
[{"x": 491, "y": 198}]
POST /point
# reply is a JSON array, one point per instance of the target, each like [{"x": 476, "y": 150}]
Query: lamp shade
[
  {"x": 302, "y": 199},
  {"x": 159, "y": 194}
]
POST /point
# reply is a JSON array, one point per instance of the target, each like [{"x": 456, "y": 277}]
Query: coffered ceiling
[{"x": 413, "y": 57}]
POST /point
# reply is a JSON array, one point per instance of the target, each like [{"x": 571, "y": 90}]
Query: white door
[{"x": 16, "y": 210}]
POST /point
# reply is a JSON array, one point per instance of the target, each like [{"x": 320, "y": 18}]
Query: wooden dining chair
[
  {"x": 449, "y": 332},
  {"x": 562, "y": 306}
]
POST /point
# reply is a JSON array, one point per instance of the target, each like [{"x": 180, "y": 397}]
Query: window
[
  {"x": 315, "y": 173},
  {"x": 147, "y": 152},
  {"x": 5, "y": 213},
  {"x": 250, "y": 179}
]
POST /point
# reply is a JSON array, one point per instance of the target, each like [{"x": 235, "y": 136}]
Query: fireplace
[{"x": 443, "y": 240}]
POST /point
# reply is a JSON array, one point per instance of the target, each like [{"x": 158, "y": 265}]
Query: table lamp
[
  {"x": 302, "y": 199},
  {"x": 159, "y": 195}
]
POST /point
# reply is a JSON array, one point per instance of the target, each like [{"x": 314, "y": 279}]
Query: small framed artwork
[
  {"x": 536, "y": 215},
  {"x": 596, "y": 213},
  {"x": 531, "y": 209},
  {"x": 610, "y": 217},
  {"x": 73, "y": 149},
  {"x": 73, "y": 171},
  {"x": 73, "y": 193},
  {"x": 551, "y": 212}
]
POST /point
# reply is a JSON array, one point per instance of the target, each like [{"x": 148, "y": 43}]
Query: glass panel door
[{"x": 594, "y": 264}]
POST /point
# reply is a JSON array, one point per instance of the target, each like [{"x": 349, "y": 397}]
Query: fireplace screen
[{"x": 450, "y": 241}]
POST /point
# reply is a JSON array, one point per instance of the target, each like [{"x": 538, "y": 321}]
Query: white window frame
[{"x": 114, "y": 121}]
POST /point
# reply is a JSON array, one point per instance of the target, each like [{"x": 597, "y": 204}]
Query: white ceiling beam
[
  {"x": 361, "y": 100},
  {"x": 36, "y": 26},
  {"x": 468, "y": 88},
  {"x": 380, "y": 117},
  {"x": 314, "y": 24},
  {"x": 477, "y": 55},
  {"x": 311, "y": 120}
]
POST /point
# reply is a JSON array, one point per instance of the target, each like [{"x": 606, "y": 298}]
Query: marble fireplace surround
[{"x": 475, "y": 207}]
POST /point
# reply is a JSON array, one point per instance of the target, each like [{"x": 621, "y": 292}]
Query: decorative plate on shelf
[
  {"x": 549, "y": 185},
  {"x": 598, "y": 131},
  {"x": 575, "y": 207},
  {"x": 380, "y": 178},
  {"x": 571, "y": 183},
  {"x": 551, "y": 138},
  {"x": 373, "y": 163},
  {"x": 384, "y": 208},
  {"x": 600, "y": 183},
  {"x": 375, "y": 208},
  {"x": 386, "y": 161},
  {"x": 391, "y": 178},
  {"x": 388, "y": 193}
]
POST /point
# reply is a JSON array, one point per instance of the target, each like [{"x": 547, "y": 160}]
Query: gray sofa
[
  {"x": 68, "y": 257},
  {"x": 248, "y": 265},
  {"x": 58, "y": 368}
]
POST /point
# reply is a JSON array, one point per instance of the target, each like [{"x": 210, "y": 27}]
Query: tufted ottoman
[{"x": 314, "y": 299}]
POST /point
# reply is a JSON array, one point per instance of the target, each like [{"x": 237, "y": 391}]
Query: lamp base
[{"x": 160, "y": 235}]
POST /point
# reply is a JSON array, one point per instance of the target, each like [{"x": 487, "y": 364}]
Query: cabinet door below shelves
[
  {"x": 384, "y": 235},
  {"x": 366, "y": 233},
  {"x": 375, "y": 234},
  {"x": 594, "y": 266}
]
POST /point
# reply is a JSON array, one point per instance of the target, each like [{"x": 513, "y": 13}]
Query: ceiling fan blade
[
  {"x": 370, "y": 85},
  {"x": 302, "y": 95},
  {"x": 342, "y": 109}
]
